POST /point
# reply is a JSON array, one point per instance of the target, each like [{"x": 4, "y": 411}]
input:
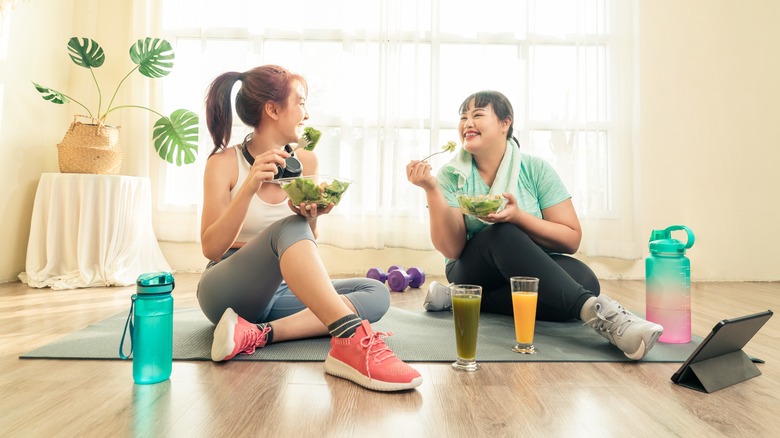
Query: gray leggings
[{"x": 249, "y": 280}]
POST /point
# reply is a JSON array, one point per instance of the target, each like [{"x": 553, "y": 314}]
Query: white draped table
[{"x": 91, "y": 230}]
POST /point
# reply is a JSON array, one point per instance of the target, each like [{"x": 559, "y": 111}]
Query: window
[{"x": 386, "y": 79}]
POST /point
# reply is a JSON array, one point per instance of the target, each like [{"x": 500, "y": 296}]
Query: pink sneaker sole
[{"x": 338, "y": 368}]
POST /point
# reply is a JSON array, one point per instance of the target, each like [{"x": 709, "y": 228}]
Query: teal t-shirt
[{"x": 538, "y": 185}]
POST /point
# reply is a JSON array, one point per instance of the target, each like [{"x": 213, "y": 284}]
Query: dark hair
[
  {"x": 501, "y": 106},
  {"x": 260, "y": 85}
]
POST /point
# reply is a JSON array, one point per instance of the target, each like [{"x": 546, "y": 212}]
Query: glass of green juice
[{"x": 466, "y": 299}]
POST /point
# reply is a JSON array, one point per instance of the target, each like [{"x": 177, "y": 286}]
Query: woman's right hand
[
  {"x": 419, "y": 174},
  {"x": 264, "y": 168}
]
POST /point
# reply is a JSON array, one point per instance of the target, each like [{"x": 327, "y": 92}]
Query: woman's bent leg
[
  {"x": 248, "y": 279},
  {"x": 502, "y": 251}
]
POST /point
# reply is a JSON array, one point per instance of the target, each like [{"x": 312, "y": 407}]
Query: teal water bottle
[
  {"x": 668, "y": 284},
  {"x": 150, "y": 324}
]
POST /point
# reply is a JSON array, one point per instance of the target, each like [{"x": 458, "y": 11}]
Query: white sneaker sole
[
  {"x": 644, "y": 349},
  {"x": 338, "y": 368},
  {"x": 223, "y": 343}
]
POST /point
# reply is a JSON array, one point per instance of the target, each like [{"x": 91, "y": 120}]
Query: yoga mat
[{"x": 419, "y": 336}]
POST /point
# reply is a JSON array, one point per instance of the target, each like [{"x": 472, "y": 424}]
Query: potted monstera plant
[{"x": 93, "y": 147}]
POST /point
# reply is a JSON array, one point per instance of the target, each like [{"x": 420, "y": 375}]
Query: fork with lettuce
[{"x": 449, "y": 147}]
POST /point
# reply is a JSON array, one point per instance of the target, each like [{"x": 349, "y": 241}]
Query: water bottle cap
[
  {"x": 155, "y": 283},
  {"x": 667, "y": 246},
  {"x": 661, "y": 240}
]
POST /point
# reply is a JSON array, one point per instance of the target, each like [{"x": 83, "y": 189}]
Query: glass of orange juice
[
  {"x": 525, "y": 293},
  {"x": 466, "y": 300}
]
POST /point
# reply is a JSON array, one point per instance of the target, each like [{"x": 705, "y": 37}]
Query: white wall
[
  {"x": 28, "y": 133},
  {"x": 710, "y": 130},
  {"x": 709, "y": 112}
]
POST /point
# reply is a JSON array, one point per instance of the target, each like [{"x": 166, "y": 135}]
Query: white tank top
[{"x": 260, "y": 214}]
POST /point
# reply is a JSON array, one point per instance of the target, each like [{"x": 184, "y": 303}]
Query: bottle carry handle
[
  {"x": 128, "y": 323},
  {"x": 688, "y": 231}
]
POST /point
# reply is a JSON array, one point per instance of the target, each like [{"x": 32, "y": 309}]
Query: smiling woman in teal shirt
[{"x": 531, "y": 236}]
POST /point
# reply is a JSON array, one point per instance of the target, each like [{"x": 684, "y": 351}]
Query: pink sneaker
[
  {"x": 235, "y": 335},
  {"x": 366, "y": 360}
]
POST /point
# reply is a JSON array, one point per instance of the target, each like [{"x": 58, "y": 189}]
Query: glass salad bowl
[
  {"x": 314, "y": 189},
  {"x": 481, "y": 205}
]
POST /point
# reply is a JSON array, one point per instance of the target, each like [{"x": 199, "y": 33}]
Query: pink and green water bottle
[{"x": 668, "y": 284}]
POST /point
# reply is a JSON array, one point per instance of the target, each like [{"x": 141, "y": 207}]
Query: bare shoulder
[
  {"x": 222, "y": 167},
  {"x": 309, "y": 161}
]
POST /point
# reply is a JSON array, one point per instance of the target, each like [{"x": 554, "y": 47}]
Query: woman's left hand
[
  {"x": 507, "y": 214},
  {"x": 309, "y": 211}
]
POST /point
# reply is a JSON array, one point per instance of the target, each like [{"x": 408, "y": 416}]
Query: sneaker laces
[
  {"x": 375, "y": 346},
  {"x": 253, "y": 338},
  {"x": 612, "y": 318}
]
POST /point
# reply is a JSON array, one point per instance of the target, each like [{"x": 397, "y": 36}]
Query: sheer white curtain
[
  {"x": 385, "y": 82},
  {"x": 581, "y": 104}
]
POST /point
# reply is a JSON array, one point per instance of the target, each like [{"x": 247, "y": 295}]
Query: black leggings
[{"x": 503, "y": 250}]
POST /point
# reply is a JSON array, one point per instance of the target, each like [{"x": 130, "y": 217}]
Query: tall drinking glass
[
  {"x": 525, "y": 293},
  {"x": 466, "y": 299}
]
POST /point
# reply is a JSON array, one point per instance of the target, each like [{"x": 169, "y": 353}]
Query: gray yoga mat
[{"x": 419, "y": 336}]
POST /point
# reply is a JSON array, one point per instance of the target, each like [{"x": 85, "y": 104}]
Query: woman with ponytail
[{"x": 265, "y": 282}]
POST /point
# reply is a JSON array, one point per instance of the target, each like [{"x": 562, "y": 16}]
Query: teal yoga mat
[{"x": 419, "y": 336}]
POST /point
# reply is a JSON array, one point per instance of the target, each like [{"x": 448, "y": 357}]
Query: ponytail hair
[
  {"x": 219, "y": 112},
  {"x": 260, "y": 85}
]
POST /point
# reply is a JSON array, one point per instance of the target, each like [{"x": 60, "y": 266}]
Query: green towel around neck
[{"x": 506, "y": 177}]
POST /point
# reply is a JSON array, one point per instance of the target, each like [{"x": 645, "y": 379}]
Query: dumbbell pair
[{"x": 397, "y": 278}]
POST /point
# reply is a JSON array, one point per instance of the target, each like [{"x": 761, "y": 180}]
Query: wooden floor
[{"x": 80, "y": 398}]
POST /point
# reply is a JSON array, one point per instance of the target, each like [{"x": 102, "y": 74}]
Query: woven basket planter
[{"x": 90, "y": 148}]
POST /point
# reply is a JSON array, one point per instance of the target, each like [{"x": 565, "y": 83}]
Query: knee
[
  {"x": 587, "y": 278},
  {"x": 591, "y": 282},
  {"x": 288, "y": 231},
  {"x": 376, "y": 303},
  {"x": 210, "y": 309},
  {"x": 503, "y": 234},
  {"x": 579, "y": 272},
  {"x": 296, "y": 224},
  {"x": 506, "y": 232}
]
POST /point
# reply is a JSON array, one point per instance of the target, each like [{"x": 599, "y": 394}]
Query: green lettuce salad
[
  {"x": 306, "y": 190},
  {"x": 480, "y": 206}
]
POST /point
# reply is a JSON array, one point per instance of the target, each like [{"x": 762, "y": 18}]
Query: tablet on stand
[{"x": 719, "y": 361}]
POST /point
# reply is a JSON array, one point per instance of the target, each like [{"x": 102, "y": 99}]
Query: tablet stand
[{"x": 719, "y": 372}]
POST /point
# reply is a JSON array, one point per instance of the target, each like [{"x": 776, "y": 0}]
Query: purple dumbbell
[
  {"x": 398, "y": 279},
  {"x": 380, "y": 275},
  {"x": 418, "y": 277},
  {"x": 377, "y": 274}
]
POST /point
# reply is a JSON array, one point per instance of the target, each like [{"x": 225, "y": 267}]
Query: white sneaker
[
  {"x": 438, "y": 297},
  {"x": 630, "y": 333}
]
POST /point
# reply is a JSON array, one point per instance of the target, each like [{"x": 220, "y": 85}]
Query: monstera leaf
[
  {"x": 85, "y": 52},
  {"x": 153, "y": 56},
  {"x": 52, "y": 96},
  {"x": 176, "y": 137}
]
